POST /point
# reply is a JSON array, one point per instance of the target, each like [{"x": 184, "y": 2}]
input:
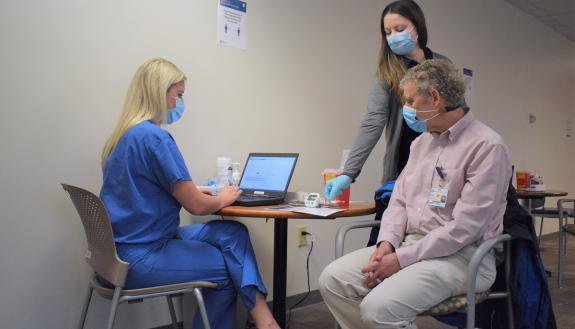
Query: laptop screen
[{"x": 268, "y": 172}]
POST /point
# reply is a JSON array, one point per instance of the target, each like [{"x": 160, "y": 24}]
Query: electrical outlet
[{"x": 301, "y": 240}]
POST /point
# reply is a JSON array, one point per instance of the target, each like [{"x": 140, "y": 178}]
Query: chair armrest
[
  {"x": 474, "y": 264},
  {"x": 560, "y": 202},
  {"x": 565, "y": 212},
  {"x": 342, "y": 232}
]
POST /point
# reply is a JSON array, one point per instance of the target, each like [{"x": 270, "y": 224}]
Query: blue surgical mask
[
  {"x": 401, "y": 42},
  {"x": 409, "y": 115},
  {"x": 176, "y": 113}
]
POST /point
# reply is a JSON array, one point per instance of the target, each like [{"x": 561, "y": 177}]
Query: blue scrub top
[{"x": 138, "y": 179}]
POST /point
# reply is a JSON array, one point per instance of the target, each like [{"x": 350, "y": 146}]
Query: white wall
[
  {"x": 521, "y": 67},
  {"x": 304, "y": 77}
]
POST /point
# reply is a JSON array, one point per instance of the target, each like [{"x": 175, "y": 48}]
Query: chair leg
[
  {"x": 87, "y": 300},
  {"x": 560, "y": 261},
  {"x": 510, "y": 320},
  {"x": 114, "y": 307},
  {"x": 540, "y": 232},
  {"x": 509, "y": 299},
  {"x": 172, "y": 312},
  {"x": 202, "y": 307},
  {"x": 564, "y": 244}
]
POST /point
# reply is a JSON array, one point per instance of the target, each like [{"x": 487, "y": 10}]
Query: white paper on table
[
  {"x": 232, "y": 23},
  {"x": 322, "y": 212}
]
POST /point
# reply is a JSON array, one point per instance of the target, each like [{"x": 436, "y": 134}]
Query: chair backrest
[
  {"x": 562, "y": 207},
  {"x": 101, "y": 253},
  {"x": 537, "y": 203}
]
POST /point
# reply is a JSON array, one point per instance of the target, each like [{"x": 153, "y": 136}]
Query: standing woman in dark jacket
[{"x": 403, "y": 45}]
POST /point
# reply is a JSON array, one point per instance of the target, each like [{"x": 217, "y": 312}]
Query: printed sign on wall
[{"x": 232, "y": 17}]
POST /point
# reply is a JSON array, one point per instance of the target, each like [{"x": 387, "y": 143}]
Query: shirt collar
[{"x": 460, "y": 125}]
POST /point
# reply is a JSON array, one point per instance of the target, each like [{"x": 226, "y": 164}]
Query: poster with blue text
[{"x": 232, "y": 23}]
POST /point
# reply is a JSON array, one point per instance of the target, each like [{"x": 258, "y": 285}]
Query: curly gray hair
[{"x": 441, "y": 76}]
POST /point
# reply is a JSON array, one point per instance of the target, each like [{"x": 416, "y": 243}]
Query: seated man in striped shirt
[{"x": 450, "y": 197}]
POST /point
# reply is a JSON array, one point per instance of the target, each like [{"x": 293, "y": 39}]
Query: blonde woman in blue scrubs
[{"x": 146, "y": 183}]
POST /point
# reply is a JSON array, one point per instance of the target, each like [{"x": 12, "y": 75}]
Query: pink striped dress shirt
[{"x": 476, "y": 170}]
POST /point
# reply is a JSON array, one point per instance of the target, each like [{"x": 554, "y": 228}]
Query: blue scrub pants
[{"x": 218, "y": 251}]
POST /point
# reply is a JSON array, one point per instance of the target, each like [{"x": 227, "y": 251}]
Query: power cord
[{"x": 308, "y": 286}]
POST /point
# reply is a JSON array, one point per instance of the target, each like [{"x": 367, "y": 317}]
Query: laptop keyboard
[
  {"x": 257, "y": 200},
  {"x": 253, "y": 197}
]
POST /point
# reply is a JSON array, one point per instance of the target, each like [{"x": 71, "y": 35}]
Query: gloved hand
[{"x": 335, "y": 186}]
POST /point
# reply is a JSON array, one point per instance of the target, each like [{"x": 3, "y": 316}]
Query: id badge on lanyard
[{"x": 438, "y": 195}]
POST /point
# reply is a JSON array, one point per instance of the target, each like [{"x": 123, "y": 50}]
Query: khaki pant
[{"x": 396, "y": 301}]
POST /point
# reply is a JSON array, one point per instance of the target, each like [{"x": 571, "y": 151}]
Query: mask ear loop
[
  {"x": 410, "y": 30},
  {"x": 404, "y": 31},
  {"x": 426, "y": 111},
  {"x": 438, "y": 113},
  {"x": 417, "y": 34},
  {"x": 414, "y": 110}
]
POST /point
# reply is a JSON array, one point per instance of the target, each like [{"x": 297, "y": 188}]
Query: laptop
[{"x": 266, "y": 178}]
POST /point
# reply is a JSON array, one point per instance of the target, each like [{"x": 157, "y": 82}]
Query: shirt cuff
[
  {"x": 350, "y": 175},
  {"x": 389, "y": 237},
  {"x": 406, "y": 255}
]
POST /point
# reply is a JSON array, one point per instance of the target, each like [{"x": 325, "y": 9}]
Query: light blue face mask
[
  {"x": 410, "y": 114},
  {"x": 401, "y": 42},
  {"x": 176, "y": 113}
]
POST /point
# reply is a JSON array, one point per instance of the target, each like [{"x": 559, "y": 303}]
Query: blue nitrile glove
[
  {"x": 383, "y": 193},
  {"x": 386, "y": 189},
  {"x": 335, "y": 187}
]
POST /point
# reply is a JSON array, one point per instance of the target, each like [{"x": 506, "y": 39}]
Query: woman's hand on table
[{"x": 229, "y": 194}]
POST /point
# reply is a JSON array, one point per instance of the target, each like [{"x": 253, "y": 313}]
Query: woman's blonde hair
[
  {"x": 391, "y": 67},
  {"x": 146, "y": 98}
]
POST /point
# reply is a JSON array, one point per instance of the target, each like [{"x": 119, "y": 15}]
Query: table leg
[
  {"x": 280, "y": 267},
  {"x": 561, "y": 247}
]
